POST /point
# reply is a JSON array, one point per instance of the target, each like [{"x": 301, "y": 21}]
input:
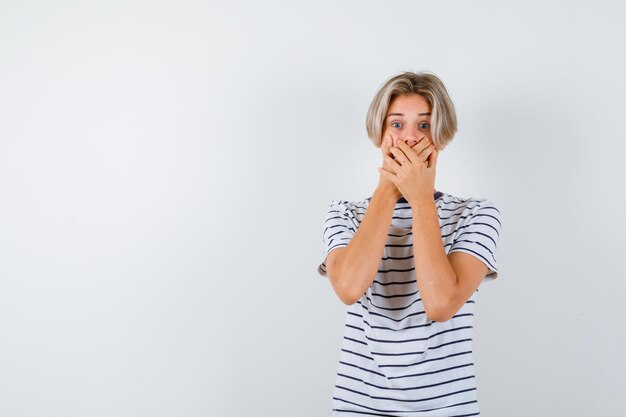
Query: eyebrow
[{"x": 402, "y": 114}]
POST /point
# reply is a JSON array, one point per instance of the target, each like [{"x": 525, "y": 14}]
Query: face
[{"x": 408, "y": 119}]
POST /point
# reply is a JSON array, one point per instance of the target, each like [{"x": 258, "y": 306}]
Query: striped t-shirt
[{"x": 393, "y": 360}]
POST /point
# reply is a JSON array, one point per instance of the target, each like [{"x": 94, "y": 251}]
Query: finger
[
  {"x": 421, "y": 144},
  {"x": 432, "y": 158},
  {"x": 392, "y": 163},
  {"x": 386, "y": 164},
  {"x": 398, "y": 156},
  {"x": 386, "y": 174},
  {"x": 420, "y": 152},
  {"x": 384, "y": 148},
  {"x": 423, "y": 156},
  {"x": 424, "y": 153},
  {"x": 407, "y": 151},
  {"x": 389, "y": 145}
]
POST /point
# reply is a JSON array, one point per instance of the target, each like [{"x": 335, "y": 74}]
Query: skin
[
  {"x": 445, "y": 281},
  {"x": 407, "y": 125}
]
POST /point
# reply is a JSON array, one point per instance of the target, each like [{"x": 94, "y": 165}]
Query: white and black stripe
[{"x": 393, "y": 360}]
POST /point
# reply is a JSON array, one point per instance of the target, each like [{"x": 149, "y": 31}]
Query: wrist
[
  {"x": 388, "y": 191},
  {"x": 422, "y": 203}
]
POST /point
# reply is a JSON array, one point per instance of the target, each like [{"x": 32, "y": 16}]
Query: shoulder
[
  {"x": 469, "y": 203},
  {"x": 348, "y": 207},
  {"x": 350, "y": 211},
  {"x": 466, "y": 210}
]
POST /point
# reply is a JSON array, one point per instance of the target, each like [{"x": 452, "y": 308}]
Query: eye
[
  {"x": 424, "y": 125},
  {"x": 394, "y": 123}
]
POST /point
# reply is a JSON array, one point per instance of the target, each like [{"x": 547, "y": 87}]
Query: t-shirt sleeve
[
  {"x": 478, "y": 235},
  {"x": 340, "y": 225}
]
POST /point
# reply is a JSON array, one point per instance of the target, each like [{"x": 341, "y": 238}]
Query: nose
[
  {"x": 410, "y": 142},
  {"x": 412, "y": 136}
]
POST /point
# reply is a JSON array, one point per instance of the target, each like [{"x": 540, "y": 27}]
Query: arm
[
  {"x": 436, "y": 279},
  {"x": 445, "y": 283},
  {"x": 353, "y": 269},
  {"x": 470, "y": 272}
]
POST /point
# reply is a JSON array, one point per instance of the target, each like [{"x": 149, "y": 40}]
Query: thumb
[{"x": 384, "y": 145}]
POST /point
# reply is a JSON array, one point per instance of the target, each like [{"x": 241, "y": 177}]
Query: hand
[
  {"x": 384, "y": 182},
  {"x": 414, "y": 180},
  {"x": 385, "y": 147}
]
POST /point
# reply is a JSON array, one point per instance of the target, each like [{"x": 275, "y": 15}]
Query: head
[{"x": 410, "y": 106}]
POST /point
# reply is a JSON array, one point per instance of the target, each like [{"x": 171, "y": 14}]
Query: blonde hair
[{"x": 427, "y": 85}]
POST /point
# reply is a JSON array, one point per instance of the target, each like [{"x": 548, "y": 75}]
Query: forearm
[
  {"x": 362, "y": 257},
  {"x": 436, "y": 280}
]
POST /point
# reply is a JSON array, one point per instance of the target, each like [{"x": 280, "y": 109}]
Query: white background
[{"x": 164, "y": 174}]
